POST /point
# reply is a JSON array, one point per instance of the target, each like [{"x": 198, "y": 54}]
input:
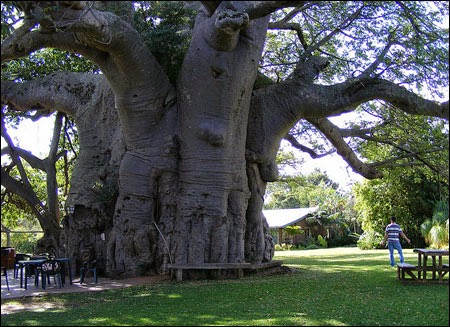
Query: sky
[
  {"x": 33, "y": 136},
  {"x": 335, "y": 167},
  {"x": 36, "y": 137}
]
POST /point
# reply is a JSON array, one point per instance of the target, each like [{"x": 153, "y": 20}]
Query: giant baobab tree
[{"x": 174, "y": 162}]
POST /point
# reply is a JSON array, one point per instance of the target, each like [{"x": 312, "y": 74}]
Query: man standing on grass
[{"x": 392, "y": 235}]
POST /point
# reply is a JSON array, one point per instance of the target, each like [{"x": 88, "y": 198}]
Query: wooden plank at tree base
[
  {"x": 178, "y": 268},
  {"x": 239, "y": 266}
]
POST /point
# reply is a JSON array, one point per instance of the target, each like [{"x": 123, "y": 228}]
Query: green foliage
[
  {"x": 283, "y": 247},
  {"x": 9, "y": 18},
  {"x": 44, "y": 62},
  {"x": 22, "y": 242},
  {"x": 409, "y": 139},
  {"x": 370, "y": 239},
  {"x": 416, "y": 29},
  {"x": 293, "y": 230},
  {"x": 166, "y": 27},
  {"x": 405, "y": 193},
  {"x": 22, "y": 221},
  {"x": 311, "y": 246},
  {"x": 322, "y": 241},
  {"x": 300, "y": 191},
  {"x": 16, "y": 213},
  {"x": 436, "y": 230},
  {"x": 288, "y": 160},
  {"x": 315, "y": 189}
]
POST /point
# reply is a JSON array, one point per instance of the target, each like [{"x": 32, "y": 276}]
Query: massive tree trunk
[
  {"x": 184, "y": 198},
  {"x": 214, "y": 91}
]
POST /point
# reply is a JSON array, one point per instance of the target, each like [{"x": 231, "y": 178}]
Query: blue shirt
[{"x": 393, "y": 230}]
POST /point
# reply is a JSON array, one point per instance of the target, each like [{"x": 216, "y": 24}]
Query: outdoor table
[
  {"x": 435, "y": 268},
  {"x": 27, "y": 264}
]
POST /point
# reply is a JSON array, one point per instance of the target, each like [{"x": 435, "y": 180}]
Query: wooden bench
[
  {"x": 218, "y": 267},
  {"x": 406, "y": 268}
]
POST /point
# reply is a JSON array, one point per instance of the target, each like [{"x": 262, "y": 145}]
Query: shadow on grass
[{"x": 338, "y": 289}]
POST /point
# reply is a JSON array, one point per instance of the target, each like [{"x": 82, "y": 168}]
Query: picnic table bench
[
  {"x": 437, "y": 269},
  {"x": 217, "y": 268},
  {"x": 404, "y": 269}
]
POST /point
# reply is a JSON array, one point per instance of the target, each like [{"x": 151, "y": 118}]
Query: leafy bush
[
  {"x": 322, "y": 241},
  {"x": 283, "y": 247},
  {"x": 22, "y": 242},
  {"x": 370, "y": 240},
  {"x": 435, "y": 230},
  {"x": 344, "y": 240}
]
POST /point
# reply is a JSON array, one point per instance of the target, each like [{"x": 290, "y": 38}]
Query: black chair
[
  {"x": 50, "y": 268},
  {"x": 5, "y": 273},
  {"x": 88, "y": 266},
  {"x": 19, "y": 257}
]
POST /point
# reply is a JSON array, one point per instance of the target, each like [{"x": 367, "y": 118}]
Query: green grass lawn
[{"x": 329, "y": 287}]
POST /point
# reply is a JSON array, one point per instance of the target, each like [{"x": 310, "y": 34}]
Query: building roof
[{"x": 281, "y": 218}]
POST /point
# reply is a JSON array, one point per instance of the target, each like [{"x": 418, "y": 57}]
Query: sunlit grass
[{"x": 329, "y": 287}]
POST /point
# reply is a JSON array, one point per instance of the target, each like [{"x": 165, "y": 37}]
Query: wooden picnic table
[{"x": 437, "y": 268}]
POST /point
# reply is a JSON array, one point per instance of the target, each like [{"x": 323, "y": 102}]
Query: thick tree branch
[
  {"x": 52, "y": 29},
  {"x": 363, "y": 90},
  {"x": 313, "y": 154},
  {"x": 258, "y": 9},
  {"x": 32, "y": 160},
  {"x": 332, "y": 133},
  {"x": 15, "y": 157},
  {"x": 50, "y": 168},
  {"x": 294, "y": 100},
  {"x": 27, "y": 193},
  {"x": 282, "y": 105},
  {"x": 225, "y": 20},
  {"x": 111, "y": 43},
  {"x": 65, "y": 92},
  {"x": 23, "y": 187},
  {"x": 13, "y": 44}
]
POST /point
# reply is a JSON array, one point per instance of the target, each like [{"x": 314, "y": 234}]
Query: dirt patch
[{"x": 34, "y": 299}]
